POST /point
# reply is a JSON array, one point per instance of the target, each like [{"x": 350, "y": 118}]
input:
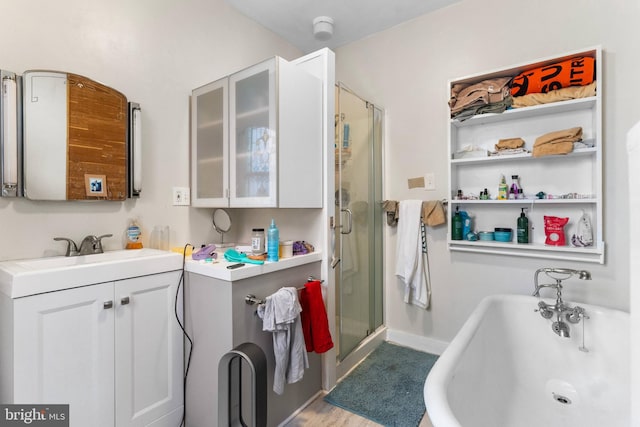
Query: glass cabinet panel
[
  {"x": 209, "y": 151},
  {"x": 253, "y": 145}
]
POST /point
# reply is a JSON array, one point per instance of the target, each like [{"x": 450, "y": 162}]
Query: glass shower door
[{"x": 359, "y": 219}]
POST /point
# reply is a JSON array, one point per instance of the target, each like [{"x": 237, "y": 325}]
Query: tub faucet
[
  {"x": 560, "y": 309},
  {"x": 558, "y": 274}
]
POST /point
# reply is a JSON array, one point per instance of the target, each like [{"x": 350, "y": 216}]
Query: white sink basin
[{"x": 21, "y": 278}]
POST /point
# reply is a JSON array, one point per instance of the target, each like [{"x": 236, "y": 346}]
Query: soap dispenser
[
  {"x": 132, "y": 235},
  {"x": 523, "y": 228}
]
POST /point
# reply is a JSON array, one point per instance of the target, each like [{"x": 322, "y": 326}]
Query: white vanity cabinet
[
  {"x": 577, "y": 174},
  {"x": 256, "y": 139},
  {"x": 112, "y": 351}
]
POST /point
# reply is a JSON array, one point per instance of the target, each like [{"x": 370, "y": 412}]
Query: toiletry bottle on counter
[
  {"x": 273, "y": 242},
  {"x": 456, "y": 225},
  {"x": 523, "y": 228},
  {"x": 257, "y": 241},
  {"x": 132, "y": 236}
]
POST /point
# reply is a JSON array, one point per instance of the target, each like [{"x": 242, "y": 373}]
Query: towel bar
[{"x": 251, "y": 299}]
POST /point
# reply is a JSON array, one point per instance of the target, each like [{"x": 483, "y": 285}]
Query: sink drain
[{"x": 562, "y": 399}]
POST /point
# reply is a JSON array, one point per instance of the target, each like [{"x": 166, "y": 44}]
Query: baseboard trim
[{"x": 416, "y": 342}]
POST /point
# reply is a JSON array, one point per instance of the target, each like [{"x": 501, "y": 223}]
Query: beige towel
[
  {"x": 558, "y": 142},
  {"x": 509, "y": 143},
  {"x": 391, "y": 209},
  {"x": 433, "y": 213},
  {"x": 564, "y": 94}
]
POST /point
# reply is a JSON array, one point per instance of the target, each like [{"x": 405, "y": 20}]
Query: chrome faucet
[
  {"x": 560, "y": 309},
  {"x": 72, "y": 248},
  {"x": 90, "y": 245}
]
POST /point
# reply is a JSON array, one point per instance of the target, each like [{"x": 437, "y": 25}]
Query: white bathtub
[{"x": 507, "y": 368}]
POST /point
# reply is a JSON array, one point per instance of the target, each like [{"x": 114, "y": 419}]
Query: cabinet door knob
[
  {"x": 124, "y": 300},
  {"x": 107, "y": 304}
]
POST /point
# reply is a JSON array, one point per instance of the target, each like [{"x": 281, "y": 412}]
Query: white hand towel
[{"x": 409, "y": 260}]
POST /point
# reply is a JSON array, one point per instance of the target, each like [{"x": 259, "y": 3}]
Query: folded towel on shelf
[
  {"x": 564, "y": 94},
  {"x": 280, "y": 315},
  {"x": 509, "y": 143},
  {"x": 410, "y": 266},
  {"x": 315, "y": 325},
  {"x": 557, "y": 142},
  {"x": 433, "y": 213}
]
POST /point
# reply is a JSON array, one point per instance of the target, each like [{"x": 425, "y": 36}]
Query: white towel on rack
[
  {"x": 409, "y": 260},
  {"x": 280, "y": 315}
]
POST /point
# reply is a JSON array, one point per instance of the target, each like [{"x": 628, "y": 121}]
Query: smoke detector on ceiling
[{"x": 322, "y": 27}]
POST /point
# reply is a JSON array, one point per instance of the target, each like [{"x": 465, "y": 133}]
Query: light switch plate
[
  {"x": 430, "y": 181},
  {"x": 181, "y": 196}
]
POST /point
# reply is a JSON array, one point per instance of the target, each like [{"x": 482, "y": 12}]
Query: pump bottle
[{"x": 523, "y": 228}]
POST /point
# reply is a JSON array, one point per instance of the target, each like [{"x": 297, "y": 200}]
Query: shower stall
[{"x": 358, "y": 216}]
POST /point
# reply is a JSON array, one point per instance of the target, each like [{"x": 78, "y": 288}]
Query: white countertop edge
[
  {"x": 16, "y": 282},
  {"x": 218, "y": 270}
]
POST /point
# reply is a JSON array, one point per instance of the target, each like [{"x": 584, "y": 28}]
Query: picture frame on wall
[{"x": 95, "y": 185}]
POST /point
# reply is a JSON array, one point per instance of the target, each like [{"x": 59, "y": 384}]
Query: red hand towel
[{"x": 315, "y": 325}]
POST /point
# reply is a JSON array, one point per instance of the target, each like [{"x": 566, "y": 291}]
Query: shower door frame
[{"x": 374, "y": 219}]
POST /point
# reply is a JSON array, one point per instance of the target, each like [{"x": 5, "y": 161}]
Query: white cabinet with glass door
[
  {"x": 209, "y": 145},
  {"x": 270, "y": 149}
]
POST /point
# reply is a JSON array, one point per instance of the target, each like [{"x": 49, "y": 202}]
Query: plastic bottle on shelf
[
  {"x": 456, "y": 225},
  {"x": 502, "y": 189},
  {"x": 523, "y": 228},
  {"x": 273, "y": 242},
  {"x": 515, "y": 185}
]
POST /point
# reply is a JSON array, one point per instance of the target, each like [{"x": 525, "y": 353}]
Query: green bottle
[
  {"x": 523, "y": 228},
  {"x": 456, "y": 225}
]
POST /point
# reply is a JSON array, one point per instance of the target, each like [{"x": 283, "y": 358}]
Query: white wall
[
  {"x": 155, "y": 52},
  {"x": 405, "y": 70}
]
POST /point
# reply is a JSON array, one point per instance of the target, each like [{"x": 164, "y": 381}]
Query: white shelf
[
  {"x": 524, "y": 157},
  {"x": 526, "y": 112},
  {"x": 579, "y": 171},
  {"x": 533, "y": 250},
  {"x": 524, "y": 202}
]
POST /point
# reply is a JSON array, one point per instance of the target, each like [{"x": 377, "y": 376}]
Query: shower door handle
[{"x": 349, "y": 222}]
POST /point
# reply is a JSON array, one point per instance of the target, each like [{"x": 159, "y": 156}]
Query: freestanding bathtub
[{"x": 507, "y": 368}]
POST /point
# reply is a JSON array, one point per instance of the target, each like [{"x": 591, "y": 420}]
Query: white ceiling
[{"x": 353, "y": 19}]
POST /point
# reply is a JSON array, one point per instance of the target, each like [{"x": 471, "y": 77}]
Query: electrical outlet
[
  {"x": 430, "y": 181},
  {"x": 181, "y": 196}
]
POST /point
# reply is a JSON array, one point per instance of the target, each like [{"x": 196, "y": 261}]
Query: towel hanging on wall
[{"x": 410, "y": 263}]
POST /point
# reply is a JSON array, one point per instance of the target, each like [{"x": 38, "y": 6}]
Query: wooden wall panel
[{"x": 97, "y": 138}]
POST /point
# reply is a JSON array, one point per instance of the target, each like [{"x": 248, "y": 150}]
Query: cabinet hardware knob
[
  {"x": 107, "y": 304},
  {"x": 124, "y": 301}
]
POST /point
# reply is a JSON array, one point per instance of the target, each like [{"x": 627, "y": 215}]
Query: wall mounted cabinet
[
  {"x": 574, "y": 180},
  {"x": 256, "y": 139}
]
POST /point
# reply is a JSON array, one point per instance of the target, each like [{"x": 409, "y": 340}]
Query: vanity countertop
[
  {"x": 219, "y": 270},
  {"x": 20, "y": 278}
]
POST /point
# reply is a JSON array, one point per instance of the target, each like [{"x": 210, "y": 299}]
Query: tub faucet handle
[{"x": 576, "y": 314}]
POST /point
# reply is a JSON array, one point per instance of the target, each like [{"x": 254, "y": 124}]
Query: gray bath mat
[{"x": 387, "y": 387}]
